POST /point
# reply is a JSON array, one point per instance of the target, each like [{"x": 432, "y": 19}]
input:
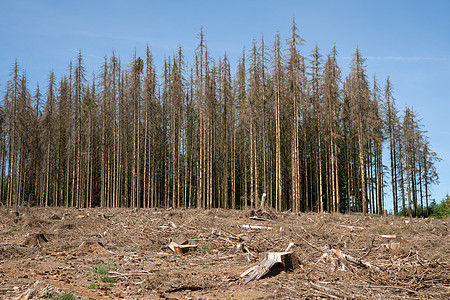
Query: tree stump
[
  {"x": 286, "y": 260},
  {"x": 35, "y": 239}
]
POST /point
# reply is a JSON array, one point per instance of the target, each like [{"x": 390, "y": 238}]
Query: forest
[{"x": 287, "y": 124}]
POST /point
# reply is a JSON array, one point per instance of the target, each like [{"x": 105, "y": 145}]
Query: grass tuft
[
  {"x": 206, "y": 249},
  {"x": 65, "y": 296}
]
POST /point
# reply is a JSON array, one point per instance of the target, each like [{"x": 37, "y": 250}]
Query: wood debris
[
  {"x": 339, "y": 260},
  {"x": 35, "y": 239},
  {"x": 331, "y": 293},
  {"x": 145, "y": 268},
  {"x": 257, "y": 227},
  {"x": 261, "y": 214},
  {"x": 256, "y": 218},
  {"x": 394, "y": 241},
  {"x": 41, "y": 290},
  {"x": 352, "y": 227},
  {"x": 392, "y": 245},
  {"x": 181, "y": 248},
  {"x": 336, "y": 262},
  {"x": 287, "y": 260},
  {"x": 388, "y": 236}
]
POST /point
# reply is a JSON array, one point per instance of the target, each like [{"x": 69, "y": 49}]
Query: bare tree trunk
[
  {"x": 408, "y": 189},
  {"x": 362, "y": 171}
]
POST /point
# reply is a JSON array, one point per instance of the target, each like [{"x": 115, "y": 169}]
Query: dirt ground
[{"x": 124, "y": 254}]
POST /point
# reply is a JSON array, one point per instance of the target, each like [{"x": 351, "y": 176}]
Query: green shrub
[
  {"x": 206, "y": 249},
  {"x": 106, "y": 278},
  {"x": 101, "y": 273},
  {"x": 93, "y": 286},
  {"x": 437, "y": 211},
  {"x": 442, "y": 210},
  {"x": 102, "y": 269},
  {"x": 65, "y": 296}
]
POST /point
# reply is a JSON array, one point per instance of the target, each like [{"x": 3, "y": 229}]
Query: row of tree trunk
[{"x": 286, "y": 125}]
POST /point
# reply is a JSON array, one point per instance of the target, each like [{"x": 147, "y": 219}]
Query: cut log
[
  {"x": 388, "y": 236},
  {"x": 287, "y": 260},
  {"x": 180, "y": 249},
  {"x": 256, "y": 227}
]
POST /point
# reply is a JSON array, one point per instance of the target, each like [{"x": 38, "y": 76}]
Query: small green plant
[
  {"x": 133, "y": 219},
  {"x": 93, "y": 286},
  {"x": 65, "y": 296},
  {"x": 206, "y": 249},
  {"x": 195, "y": 237},
  {"x": 106, "y": 278},
  {"x": 12, "y": 230},
  {"x": 101, "y": 274},
  {"x": 134, "y": 248},
  {"x": 102, "y": 269},
  {"x": 116, "y": 219}
]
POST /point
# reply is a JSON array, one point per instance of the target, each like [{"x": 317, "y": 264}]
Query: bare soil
[{"x": 124, "y": 254}]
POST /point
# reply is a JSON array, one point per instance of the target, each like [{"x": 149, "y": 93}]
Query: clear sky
[{"x": 408, "y": 40}]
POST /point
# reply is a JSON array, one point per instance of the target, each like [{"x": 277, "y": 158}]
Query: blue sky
[{"x": 408, "y": 40}]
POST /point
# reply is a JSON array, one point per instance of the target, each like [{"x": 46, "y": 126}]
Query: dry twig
[{"x": 332, "y": 293}]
